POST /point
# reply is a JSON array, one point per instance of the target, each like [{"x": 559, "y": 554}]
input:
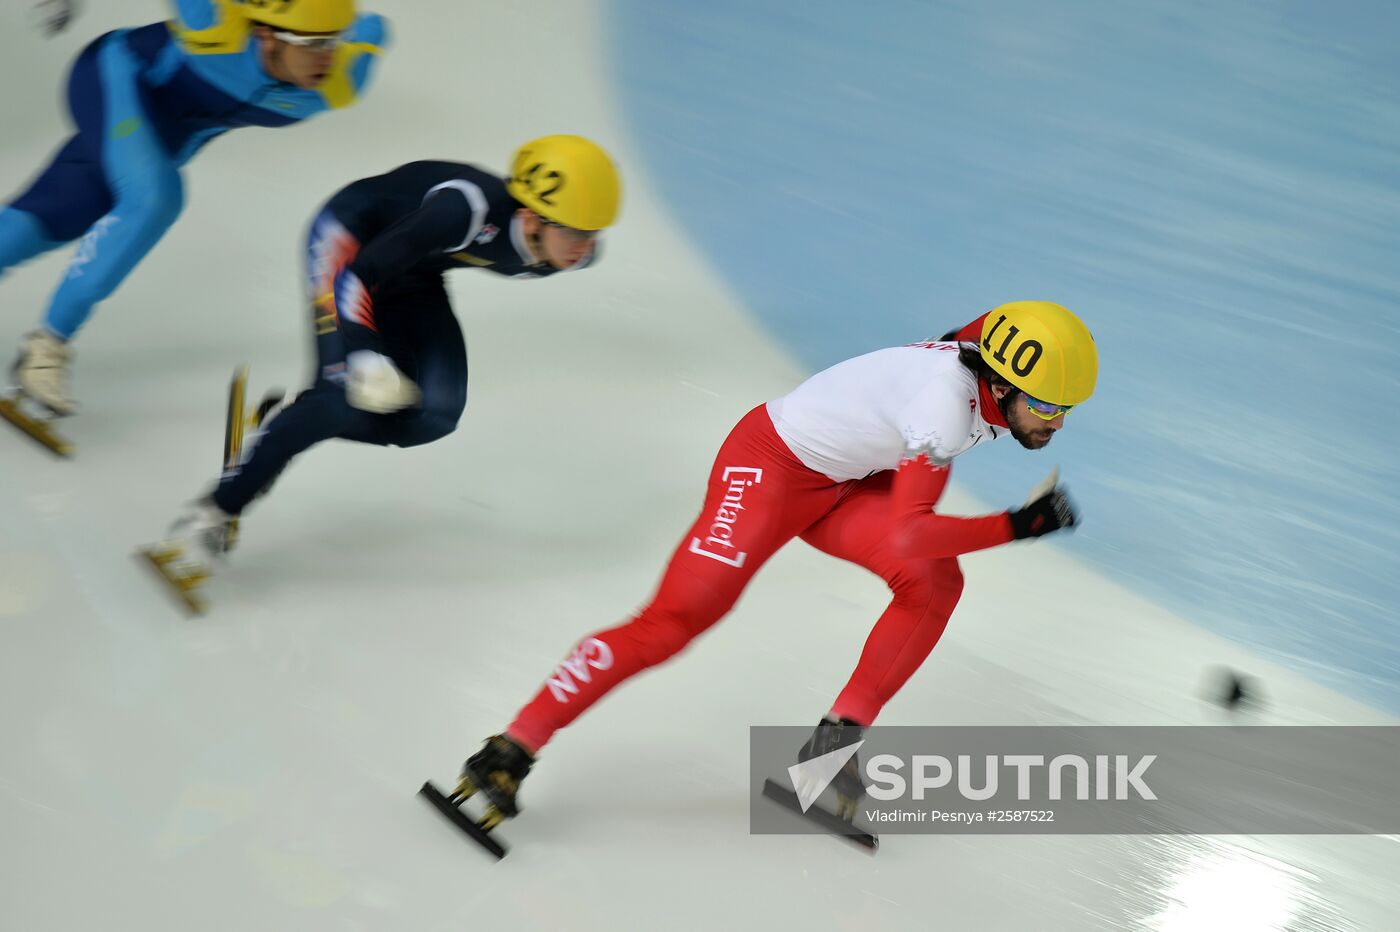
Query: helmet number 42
[{"x": 532, "y": 179}]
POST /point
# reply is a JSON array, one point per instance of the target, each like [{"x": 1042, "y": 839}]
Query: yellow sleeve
[
  {"x": 339, "y": 88},
  {"x": 229, "y": 32}
]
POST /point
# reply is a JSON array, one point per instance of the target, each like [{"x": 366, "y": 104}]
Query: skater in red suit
[{"x": 853, "y": 461}]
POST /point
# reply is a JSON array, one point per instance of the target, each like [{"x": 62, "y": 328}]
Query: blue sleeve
[
  {"x": 198, "y": 14},
  {"x": 371, "y": 29}
]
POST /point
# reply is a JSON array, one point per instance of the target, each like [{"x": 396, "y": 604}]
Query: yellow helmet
[
  {"x": 300, "y": 15},
  {"x": 1042, "y": 349},
  {"x": 566, "y": 179}
]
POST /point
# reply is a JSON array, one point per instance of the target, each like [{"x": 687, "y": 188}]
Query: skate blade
[
  {"x": 236, "y": 421},
  {"x": 36, "y": 427},
  {"x": 832, "y": 823},
  {"x": 185, "y": 588},
  {"x": 478, "y": 834},
  {"x": 236, "y": 424}
]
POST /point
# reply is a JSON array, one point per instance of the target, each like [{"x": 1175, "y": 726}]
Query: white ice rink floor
[{"x": 256, "y": 769}]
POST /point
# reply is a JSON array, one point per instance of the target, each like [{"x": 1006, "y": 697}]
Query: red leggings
[{"x": 761, "y": 496}]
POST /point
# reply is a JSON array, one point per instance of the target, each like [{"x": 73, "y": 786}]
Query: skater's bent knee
[
  {"x": 425, "y": 426},
  {"x": 920, "y": 581},
  {"x": 660, "y": 635},
  {"x": 153, "y": 201}
]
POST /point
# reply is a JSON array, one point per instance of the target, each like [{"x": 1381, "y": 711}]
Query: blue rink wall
[{"x": 1214, "y": 187}]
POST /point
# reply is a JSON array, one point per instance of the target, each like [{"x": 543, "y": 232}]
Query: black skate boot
[
  {"x": 496, "y": 772},
  {"x": 806, "y": 784},
  {"x": 831, "y": 735}
]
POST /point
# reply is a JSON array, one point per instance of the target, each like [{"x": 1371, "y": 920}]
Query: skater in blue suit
[{"x": 144, "y": 101}]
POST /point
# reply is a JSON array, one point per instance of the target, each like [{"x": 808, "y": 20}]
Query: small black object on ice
[{"x": 1236, "y": 690}]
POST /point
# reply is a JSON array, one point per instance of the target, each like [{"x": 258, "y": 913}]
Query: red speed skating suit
[{"x": 852, "y": 461}]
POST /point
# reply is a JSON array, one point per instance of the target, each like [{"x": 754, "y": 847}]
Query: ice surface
[{"x": 387, "y": 608}]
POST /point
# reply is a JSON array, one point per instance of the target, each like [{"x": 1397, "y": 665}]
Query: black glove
[{"x": 1048, "y": 509}]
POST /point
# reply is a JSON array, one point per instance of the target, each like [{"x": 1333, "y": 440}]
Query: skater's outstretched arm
[
  {"x": 445, "y": 222},
  {"x": 942, "y": 412},
  {"x": 921, "y": 533}
]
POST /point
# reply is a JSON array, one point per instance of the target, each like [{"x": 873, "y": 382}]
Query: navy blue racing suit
[{"x": 375, "y": 259}]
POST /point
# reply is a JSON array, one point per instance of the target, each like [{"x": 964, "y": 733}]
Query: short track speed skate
[
  {"x": 842, "y": 826},
  {"x": 39, "y": 394},
  {"x": 184, "y": 579},
  {"x": 495, "y": 772},
  {"x": 830, "y": 737},
  {"x": 184, "y": 560},
  {"x": 35, "y": 420}
]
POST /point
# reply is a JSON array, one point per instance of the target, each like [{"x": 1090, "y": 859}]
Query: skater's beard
[{"x": 1030, "y": 431}]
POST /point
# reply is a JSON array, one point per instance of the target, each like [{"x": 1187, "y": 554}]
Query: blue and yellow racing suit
[{"x": 145, "y": 100}]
